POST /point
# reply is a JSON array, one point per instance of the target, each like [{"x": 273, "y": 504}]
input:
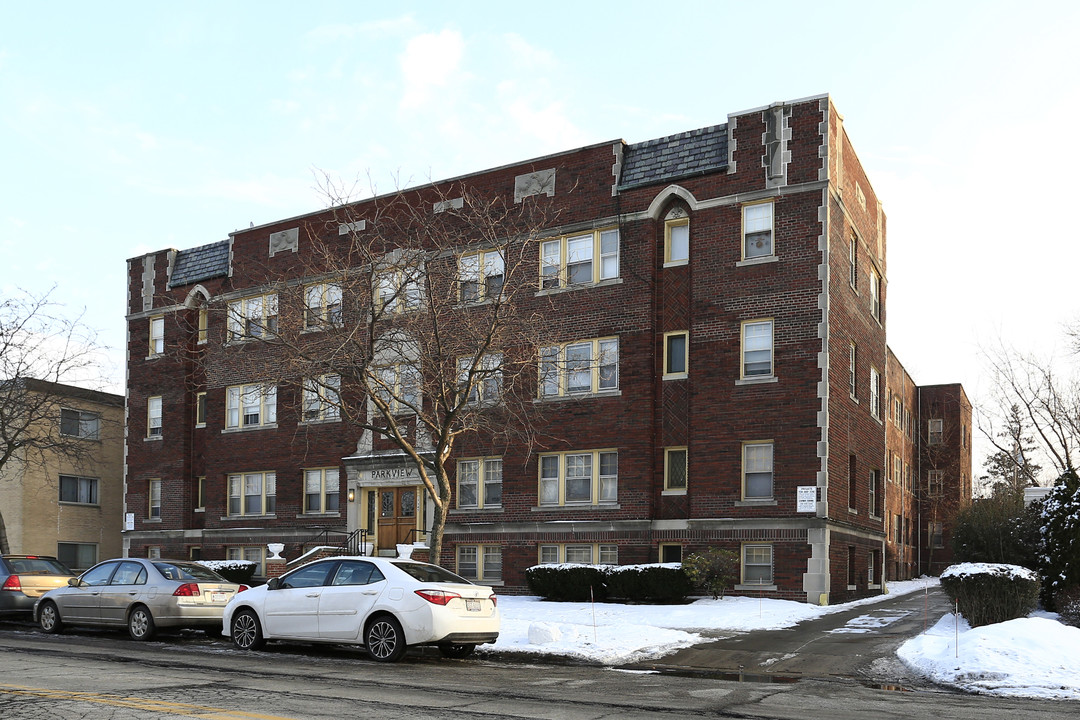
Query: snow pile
[
  {"x": 1016, "y": 572},
  {"x": 1029, "y": 657}
]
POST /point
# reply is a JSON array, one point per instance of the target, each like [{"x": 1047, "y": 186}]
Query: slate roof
[
  {"x": 664, "y": 159},
  {"x": 201, "y": 263}
]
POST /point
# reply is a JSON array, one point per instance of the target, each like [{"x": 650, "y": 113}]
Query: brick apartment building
[{"x": 727, "y": 289}]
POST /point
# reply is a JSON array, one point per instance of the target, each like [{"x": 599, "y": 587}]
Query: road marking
[
  {"x": 161, "y": 706},
  {"x": 868, "y": 623}
]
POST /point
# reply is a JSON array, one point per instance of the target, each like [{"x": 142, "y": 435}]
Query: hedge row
[
  {"x": 988, "y": 593},
  {"x": 582, "y": 583}
]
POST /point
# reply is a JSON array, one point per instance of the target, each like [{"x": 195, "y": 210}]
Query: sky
[{"x": 133, "y": 127}]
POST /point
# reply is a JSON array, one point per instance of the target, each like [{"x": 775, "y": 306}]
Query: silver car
[{"x": 141, "y": 594}]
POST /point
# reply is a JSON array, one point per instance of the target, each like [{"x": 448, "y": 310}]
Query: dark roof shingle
[
  {"x": 668, "y": 158},
  {"x": 201, "y": 263}
]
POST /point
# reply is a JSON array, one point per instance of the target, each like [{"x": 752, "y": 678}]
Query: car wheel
[
  {"x": 49, "y": 618},
  {"x": 384, "y": 639},
  {"x": 141, "y": 623},
  {"x": 246, "y": 632},
  {"x": 456, "y": 651}
]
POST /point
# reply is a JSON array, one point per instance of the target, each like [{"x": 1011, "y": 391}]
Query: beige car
[
  {"x": 141, "y": 594},
  {"x": 25, "y": 578}
]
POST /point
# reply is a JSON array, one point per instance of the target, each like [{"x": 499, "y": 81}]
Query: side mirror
[
  {"x": 273, "y": 583},
  {"x": 74, "y": 582}
]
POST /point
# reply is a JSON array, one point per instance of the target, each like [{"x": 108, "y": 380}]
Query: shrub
[
  {"x": 1059, "y": 561},
  {"x": 1067, "y": 603},
  {"x": 648, "y": 583},
  {"x": 714, "y": 570},
  {"x": 567, "y": 583},
  {"x": 988, "y": 593},
  {"x": 237, "y": 571}
]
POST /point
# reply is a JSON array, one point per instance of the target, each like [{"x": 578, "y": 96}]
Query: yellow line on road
[{"x": 198, "y": 711}]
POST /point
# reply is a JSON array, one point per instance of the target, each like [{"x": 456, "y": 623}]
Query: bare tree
[
  {"x": 41, "y": 348},
  {"x": 415, "y": 319}
]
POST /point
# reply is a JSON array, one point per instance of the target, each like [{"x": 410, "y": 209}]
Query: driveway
[{"x": 859, "y": 643}]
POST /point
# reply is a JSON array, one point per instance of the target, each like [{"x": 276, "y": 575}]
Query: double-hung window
[
  {"x": 676, "y": 241},
  {"x": 872, "y": 500},
  {"x": 479, "y": 483},
  {"x": 80, "y": 424},
  {"x": 757, "y": 349},
  {"x": 480, "y": 276},
  {"x": 579, "y": 478},
  {"x": 935, "y": 431},
  {"x": 253, "y": 317},
  {"x": 481, "y": 378},
  {"x": 853, "y": 262},
  {"x": 321, "y": 490},
  {"x": 78, "y": 490},
  {"x": 322, "y": 306},
  {"x": 853, "y": 383},
  {"x": 154, "y": 498},
  {"x": 252, "y": 405},
  {"x": 757, "y": 565},
  {"x": 875, "y": 393},
  {"x": 757, "y": 230},
  {"x": 875, "y": 294},
  {"x": 399, "y": 289},
  {"x": 581, "y": 259},
  {"x": 322, "y": 398},
  {"x": 157, "y": 335},
  {"x": 398, "y": 386},
  {"x": 758, "y": 470},
  {"x": 936, "y": 482},
  {"x": 252, "y": 494},
  {"x": 479, "y": 562},
  {"x": 153, "y": 416},
  {"x": 588, "y": 366},
  {"x": 595, "y": 554}
]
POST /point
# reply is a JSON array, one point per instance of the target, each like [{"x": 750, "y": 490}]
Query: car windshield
[
  {"x": 37, "y": 566},
  {"x": 188, "y": 572},
  {"x": 430, "y": 573}
]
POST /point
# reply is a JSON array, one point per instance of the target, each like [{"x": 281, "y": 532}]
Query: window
[
  {"x": 398, "y": 386},
  {"x": 322, "y": 306},
  {"x": 936, "y": 532},
  {"x": 579, "y": 478},
  {"x": 675, "y": 469},
  {"x": 153, "y": 553},
  {"x": 479, "y": 483},
  {"x": 253, "y": 317},
  {"x": 853, "y": 262},
  {"x": 200, "y": 493},
  {"x": 77, "y": 556},
  {"x": 581, "y": 367},
  {"x": 154, "y": 495},
  {"x": 757, "y": 349},
  {"x": 200, "y": 409},
  {"x": 898, "y": 469},
  {"x": 757, "y": 230},
  {"x": 872, "y": 501},
  {"x": 486, "y": 380},
  {"x": 78, "y": 490},
  {"x": 250, "y": 406},
  {"x": 757, "y": 565},
  {"x": 757, "y": 470},
  {"x": 77, "y": 423},
  {"x": 255, "y": 554},
  {"x": 852, "y": 376},
  {"x": 875, "y": 294},
  {"x": 898, "y": 412},
  {"x": 676, "y": 242},
  {"x": 676, "y": 355},
  {"x": 479, "y": 562},
  {"x": 852, "y": 494},
  {"x": 252, "y": 494},
  {"x": 872, "y": 565},
  {"x": 203, "y": 331},
  {"x": 875, "y": 390},
  {"x": 572, "y": 260},
  {"x": 153, "y": 416},
  {"x": 670, "y": 553},
  {"x": 398, "y": 289},
  {"x": 898, "y": 530},
  {"x": 604, "y": 554},
  {"x": 851, "y": 567},
  {"x": 322, "y": 398},
  {"x": 321, "y": 490},
  {"x": 480, "y": 276},
  {"x": 157, "y": 335},
  {"x": 935, "y": 480},
  {"x": 935, "y": 431}
]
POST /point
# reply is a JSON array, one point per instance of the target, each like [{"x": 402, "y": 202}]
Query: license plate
[
  {"x": 219, "y": 597},
  {"x": 472, "y": 605}
]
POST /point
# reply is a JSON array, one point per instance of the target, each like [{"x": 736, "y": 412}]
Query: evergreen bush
[
  {"x": 988, "y": 593},
  {"x": 1067, "y": 603},
  {"x": 567, "y": 583},
  {"x": 649, "y": 583},
  {"x": 1059, "y": 551},
  {"x": 713, "y": 570}
]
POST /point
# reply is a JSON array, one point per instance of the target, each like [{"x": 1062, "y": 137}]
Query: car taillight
[
  {"x": 494, "y": 600},
  {"x": 437, "y": 597},
  {"x": 242, "y": 588},
  {"x": 187, "y": 590},
  {"x": 12, "y": 583}
]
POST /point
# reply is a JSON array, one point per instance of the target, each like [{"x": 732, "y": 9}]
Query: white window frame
[
  {"x": 676, "y": 470},
  {"x": 875, "y": 294},
  {"x": 758, "y": 231},
  {"x": 758, "y": 459},
  {"x": 86, "y": 489},
  {"x": 756, "y": 550},
  {"x": 239, "y": 487},
  {"x": 322, "y": 306},
  {"x": 875, "y": 393},
  {"x": 480, "y": 563},
  {"x": 88, "y": 424},
  {"x": 559, "y": 365},
  {"x": 487, "y": 377},
  {"x": 676, "y": 242},
  {"x": 322, "y": 491},
  {"x": 556, "y": 553},
  {"x": 560, "y": 256},
  {"x": 255, "y": 316},
  {"x": 482, "y": 475},
  {"x": 240, "y": 400},
  {"x": 750, "y": 333},
  {"x": 671, "y": 370},
  {"x": 154, "y": 413},
  {"x": 153, "y": 496},
  {"x": 557, "y": 470},
  {"x": 935, "y": 431},
  {"x": 321, "y": 399},
  {"x": 157, "y": 335},
  {"x": 872, "y": 493},
  {"x": 853, "y": 375},
  {"x": 481, "y": 275}
]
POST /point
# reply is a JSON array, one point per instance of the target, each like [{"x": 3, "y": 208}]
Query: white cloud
[
  {"x": 430, "y": 62},
  {"x": 526, "y": 55},
  {"x": 352, "y": 31}
]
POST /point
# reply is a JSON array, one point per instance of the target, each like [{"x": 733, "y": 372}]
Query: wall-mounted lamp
[{"x": 352, "y": 495}]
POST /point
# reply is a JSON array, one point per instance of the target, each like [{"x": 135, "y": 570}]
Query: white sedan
[{"x": 384, "y": 604}]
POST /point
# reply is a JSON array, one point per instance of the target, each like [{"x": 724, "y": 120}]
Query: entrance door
[{"x": 397, "y": 516}]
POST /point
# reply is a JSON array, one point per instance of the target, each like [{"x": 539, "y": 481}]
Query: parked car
[
  {"x": 142, "y": 594},
  {"x": 383, "y": 604},
  {"x": 25, "y": 578}
]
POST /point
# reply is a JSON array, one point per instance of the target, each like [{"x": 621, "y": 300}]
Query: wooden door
[{"x": 397, "y": 516}]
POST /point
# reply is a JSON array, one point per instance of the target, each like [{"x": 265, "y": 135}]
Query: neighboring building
[
  {"x": 727, "y": 289},
  {"x": 69, "y": 504}
]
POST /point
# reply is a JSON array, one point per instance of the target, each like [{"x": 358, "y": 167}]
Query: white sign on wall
[
  {"x": 806, "y": 500},
  {"x": 129, "y": 521}
]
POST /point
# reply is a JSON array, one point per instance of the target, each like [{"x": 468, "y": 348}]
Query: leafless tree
[
  {"x": 414, "y": 318},
  {"x": 41, "y": 348}
]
